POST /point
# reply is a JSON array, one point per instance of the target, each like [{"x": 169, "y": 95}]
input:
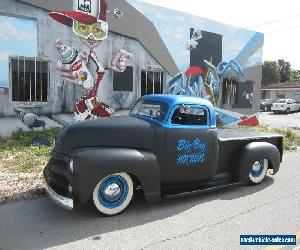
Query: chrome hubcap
[
  {"x": 256, "y": 166},
  {"x": 112, "y": 192}
]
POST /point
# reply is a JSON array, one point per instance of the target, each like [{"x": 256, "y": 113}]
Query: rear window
[
  {"x": 189, "y": 116},
  {"x": 281, "y": 101}
]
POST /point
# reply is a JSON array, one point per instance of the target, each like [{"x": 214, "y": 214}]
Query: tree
[
  {"x": 285, "y": 70},
  {"x": 295, "y": 75},
  {"x": 270, "y": 72}
]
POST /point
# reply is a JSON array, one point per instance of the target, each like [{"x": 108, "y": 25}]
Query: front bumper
[
  {"x": 59, "y": 183},
  {"x": 62, "y": 201}
]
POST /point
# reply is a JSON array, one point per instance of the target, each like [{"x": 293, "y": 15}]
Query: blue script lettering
[
  {"x": 191, "y": 153},
  {"x": 190, "y": 159}
]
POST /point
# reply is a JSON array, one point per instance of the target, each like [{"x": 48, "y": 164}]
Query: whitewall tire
[
  {"x": 258, "y": 171},
  {"x": 113, "y": 193}
]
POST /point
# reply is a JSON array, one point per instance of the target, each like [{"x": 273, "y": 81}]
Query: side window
[{"x": 189, "y": 116}]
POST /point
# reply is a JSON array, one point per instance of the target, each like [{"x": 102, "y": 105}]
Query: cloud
[
  {"x": 4, "y": 55},
  {"x": 11, "y": 32},
  {"x": 235, "y": 47},
  {"x": 255, "y": 59},
  {"x": 177, "y": 33},
  {"x": 162, "y": 16}
]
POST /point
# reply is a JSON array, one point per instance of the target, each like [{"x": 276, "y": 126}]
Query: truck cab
[{"x": 188, "y": 134}]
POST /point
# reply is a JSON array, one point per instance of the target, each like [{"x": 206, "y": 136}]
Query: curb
[{"x": 28, "y": 195}]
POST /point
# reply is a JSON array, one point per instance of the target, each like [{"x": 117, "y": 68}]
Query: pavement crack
[{"x": 182, "y": 235}]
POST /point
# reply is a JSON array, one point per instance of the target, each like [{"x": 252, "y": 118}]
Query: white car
[{"x": 285, "y": 105}]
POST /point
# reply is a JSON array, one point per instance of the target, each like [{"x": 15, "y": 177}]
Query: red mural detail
[
  {"x": 252, "y": 121},
  {"x": 77, "y": 65},
  {"x": 194, "y": 70}
]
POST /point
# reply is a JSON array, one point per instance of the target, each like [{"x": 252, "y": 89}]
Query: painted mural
[
  {"x": 212, "y": 58},
  {"x": 88, "y": 22},
  {"x": 13, "y": 33},
  {"x": 215, "y": 61}
]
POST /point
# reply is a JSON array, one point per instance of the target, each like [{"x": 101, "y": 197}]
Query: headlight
[{"x": 71, "y": 165}]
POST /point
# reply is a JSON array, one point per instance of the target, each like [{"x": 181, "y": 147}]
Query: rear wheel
[
  {"x": 258, "y": 171},
  {"x": 113, "y": 193}
]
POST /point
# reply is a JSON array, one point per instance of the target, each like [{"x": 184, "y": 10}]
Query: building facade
[
  {"x": 35, "y": 85},
  {"x": 163, "y": 48},
  {"x": 285, "y": 90}
]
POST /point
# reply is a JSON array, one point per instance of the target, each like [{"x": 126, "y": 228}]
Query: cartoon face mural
[{"x": 88, "y": 22}]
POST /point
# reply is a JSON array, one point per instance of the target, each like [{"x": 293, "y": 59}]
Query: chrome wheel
[
  {"x": 259, "y": 171},
  {"x": 113, "y": 193}
]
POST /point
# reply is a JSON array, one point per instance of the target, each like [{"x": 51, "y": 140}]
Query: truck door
[{"x": 190, "y": 154}]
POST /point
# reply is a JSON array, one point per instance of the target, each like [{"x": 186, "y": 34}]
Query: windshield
[
  {"x": 281, "y": 101},
  {"x": 152, "y": 109}
]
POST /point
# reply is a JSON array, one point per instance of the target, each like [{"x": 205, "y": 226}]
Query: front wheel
[
  {"x": 288, "y": 110},
  {"x": 113, "y": 193},
  {"x": 258, "y": 171}
]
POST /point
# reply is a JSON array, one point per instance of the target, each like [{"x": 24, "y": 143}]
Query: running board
[{"x": 200, "y": 191}]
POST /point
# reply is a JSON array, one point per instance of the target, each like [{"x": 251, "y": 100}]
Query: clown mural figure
[{"x": 88, "y": 21}]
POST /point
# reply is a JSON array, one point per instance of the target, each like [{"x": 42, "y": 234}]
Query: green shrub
[{"x": 17, "y": 153}]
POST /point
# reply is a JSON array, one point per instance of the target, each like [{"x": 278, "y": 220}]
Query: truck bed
[
  {"x": 238, "y": 134},
  {"x": 231, "y": 141}
]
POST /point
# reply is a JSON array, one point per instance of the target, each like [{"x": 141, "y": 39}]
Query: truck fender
[
  {"x": 90, "y": 165},
  {"x": 256, "y": 151}
]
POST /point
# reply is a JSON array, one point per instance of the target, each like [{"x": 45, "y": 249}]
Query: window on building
[
  {"x": 152, "y": 82},
  {"x": 29, "y": 79},
  {"x": 123, "y": 81},
  {"x": 229, "y": 91},
  {"x": 280, "y": 94},
  {"x": 237, "y": 94}
]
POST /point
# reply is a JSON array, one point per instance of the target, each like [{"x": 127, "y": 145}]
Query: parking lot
[{"x": 272, "y": 120}]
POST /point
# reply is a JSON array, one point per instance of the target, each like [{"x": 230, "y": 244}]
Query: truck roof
[{"x": 172, "y": 100}]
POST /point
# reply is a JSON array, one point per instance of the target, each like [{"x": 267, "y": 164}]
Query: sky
[
  {"x": 17, "y": 37},
  {"x": 278, "y": 20},
  {"x": 174, "y": 29}
]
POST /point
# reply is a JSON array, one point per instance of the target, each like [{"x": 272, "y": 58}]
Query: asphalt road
[
  {"x": 207, "y": 221},
  {"x": 291, "y": 120}
]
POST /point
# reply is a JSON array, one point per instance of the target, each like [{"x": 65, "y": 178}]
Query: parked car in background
[
  {"x": 266, "y": 104},
  {"x": 286, "y": 106}
]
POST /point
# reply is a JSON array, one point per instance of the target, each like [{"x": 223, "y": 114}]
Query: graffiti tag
[
  {"x": 85, "y": 5},
  {"x": 120, "y": 99}
]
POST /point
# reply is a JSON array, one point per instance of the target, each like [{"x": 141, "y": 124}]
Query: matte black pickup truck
[{"x": 168, "y": 146}]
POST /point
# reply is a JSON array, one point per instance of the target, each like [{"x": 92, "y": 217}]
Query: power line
[
  {"x": 277, "y": 20},
  {"x": 288, "y": 28}
]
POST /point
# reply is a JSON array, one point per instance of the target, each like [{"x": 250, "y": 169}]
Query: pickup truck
[{"x": 168, "y": 146}]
